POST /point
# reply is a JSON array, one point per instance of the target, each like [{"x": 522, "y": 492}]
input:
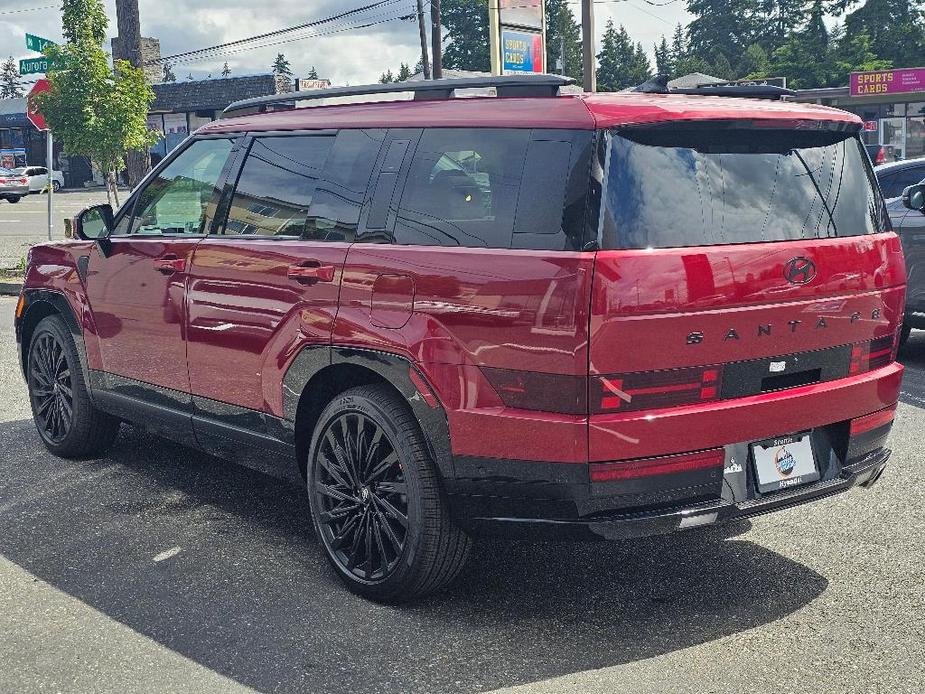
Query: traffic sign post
[{"x": 34, "y": 114}]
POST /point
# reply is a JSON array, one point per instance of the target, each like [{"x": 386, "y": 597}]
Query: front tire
[
  {"x": 68, "y": 423},
  {"x": 13, "y": 199},
  {"x": 56, "y": 186},
  {"x": 375, "y": 499}
]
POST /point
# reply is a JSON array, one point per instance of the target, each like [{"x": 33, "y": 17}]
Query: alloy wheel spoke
[
  {"x": 393, "y": 512},
  {"x": 382, "y": 467},
  {"x": 389, "y": 487}
]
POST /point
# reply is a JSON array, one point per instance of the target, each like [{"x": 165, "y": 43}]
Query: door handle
[
  {"x": 170, "y": 264},
  {"x": 311, "y": 271}
]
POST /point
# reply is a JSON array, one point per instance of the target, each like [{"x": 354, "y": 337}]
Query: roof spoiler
[
  {"x": 659, "y": 85},
  {"x": 504, "y": 85}
]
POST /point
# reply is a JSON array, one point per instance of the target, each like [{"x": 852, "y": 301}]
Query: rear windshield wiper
[{"x": 812, "y": 178}]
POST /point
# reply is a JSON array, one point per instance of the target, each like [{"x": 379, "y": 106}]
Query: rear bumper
[{"x": 474, "y": 513}]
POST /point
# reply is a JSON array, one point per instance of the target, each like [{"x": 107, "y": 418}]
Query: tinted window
[
  {"x": 669, "y": 187},
  {"x": 894, "y": 184},
  {"x": 462, "y": 188},
  {"x": 340, "y": 193},
  {"x": 276, "y": 185},
  {"x": 182, "y": 198}
]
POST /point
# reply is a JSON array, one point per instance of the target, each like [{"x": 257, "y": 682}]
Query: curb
[{"x": 10, "y": 288}]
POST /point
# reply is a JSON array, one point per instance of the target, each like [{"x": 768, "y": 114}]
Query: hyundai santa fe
[{"x": 533, "y": 314}]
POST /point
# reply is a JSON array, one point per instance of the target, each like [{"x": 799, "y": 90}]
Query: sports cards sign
[{"x": 521, "y": 51}]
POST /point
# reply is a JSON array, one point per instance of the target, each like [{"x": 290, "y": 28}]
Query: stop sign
[{"x": 32, "y": 109}]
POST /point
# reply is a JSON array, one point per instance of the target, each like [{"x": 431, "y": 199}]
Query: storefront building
[{"x": 891, "y": 104}]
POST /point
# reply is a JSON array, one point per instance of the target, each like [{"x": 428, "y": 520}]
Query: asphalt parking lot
[
  {"x": 159, "y": 569},
  {"x": 26, "y": 223}
]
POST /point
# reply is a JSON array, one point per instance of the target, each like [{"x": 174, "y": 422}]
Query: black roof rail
[
  {"x": 659, "y": 85},
  {"x": 505, "y": 86}
]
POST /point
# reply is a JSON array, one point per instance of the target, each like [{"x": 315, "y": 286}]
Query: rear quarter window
[{"x": 675, "y": 187}]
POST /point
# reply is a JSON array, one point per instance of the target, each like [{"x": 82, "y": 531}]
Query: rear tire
[
  {"x": 13, "y": 199},
  {"x": 68, "y": 423},
  {"x": 56, "y": 186},
  {"x": 904, "y": 334},
  {"x": 376, "y": 502}
]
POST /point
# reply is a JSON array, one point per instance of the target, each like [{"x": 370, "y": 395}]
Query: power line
[
  {"x": 29, "y": 9},
  {"x": 366, "y": 23},
  {"x": 307, "y": 25}
]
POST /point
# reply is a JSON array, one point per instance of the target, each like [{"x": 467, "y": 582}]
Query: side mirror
[
  {"x": 94, "y": 223},
  {"x": 914, "y": 197}
]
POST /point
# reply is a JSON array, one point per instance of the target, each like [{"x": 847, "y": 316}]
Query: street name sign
[
  {"x": 33, "y": 66},
  {"x": 37, "y": 43}
]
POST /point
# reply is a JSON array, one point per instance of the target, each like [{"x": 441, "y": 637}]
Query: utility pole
[
  {"x": 137, "y": 164},
  {"x": 587, "y": 46},
  {"x": 422, "y": 28},
  {"x": 436, "y": 38}
]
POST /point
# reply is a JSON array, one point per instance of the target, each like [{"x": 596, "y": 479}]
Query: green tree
[
  {"x": 283, "y": 74},
  {"x": 620, "y": 63},
  {"x": 313, "y": 73},
  {"x": 386, "y": 77},
  {"x": 806, "y": 57},
  {"x": 721, "y": 31},
  {"x": 168, "y": 73},
  {"x": 226, "y": 71},
  {"x": 563, "y": 40},
  {"x": 466, "y": 24},
  {"x": 95, "y": 111},
  {"x": 755, "y": 62},
  {"x": 895, "y": 28},
  {"x": 664, "y": 62},
  {"x": 9, "y": 80},
  {"x": 404, "y": 72}
]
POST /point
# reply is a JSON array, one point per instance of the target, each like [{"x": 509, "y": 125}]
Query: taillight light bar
[
  {"x": 867, "y": 356},
  {"x": 872, "y": 421},
  {"x": 648, "y": 390},
  {"x": 664, "y": 465},
  {"x": 535, "y": 390}
]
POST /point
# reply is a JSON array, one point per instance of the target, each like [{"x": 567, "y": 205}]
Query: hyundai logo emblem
[{"x": 799, "y": 270}]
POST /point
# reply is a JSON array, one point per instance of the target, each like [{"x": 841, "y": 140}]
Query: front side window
[
  {"x": 183, "y": 197},
  {"x": 276, "y": 185},
  {"x": 675, "y": 186},
  {"x": 898, "y": 182}
]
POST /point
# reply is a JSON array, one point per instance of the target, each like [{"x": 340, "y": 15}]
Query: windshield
[{"x": 698, "y": 186}]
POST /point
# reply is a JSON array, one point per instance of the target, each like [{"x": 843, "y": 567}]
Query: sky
[{"x": 349, "y": 56}]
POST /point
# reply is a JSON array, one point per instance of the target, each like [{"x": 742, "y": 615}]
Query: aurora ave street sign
[{"x": 33, "y": 66}]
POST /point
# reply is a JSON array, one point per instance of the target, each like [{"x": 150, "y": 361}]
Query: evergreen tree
[
  {"x": 721, "y": 31},
  {"x": 778, "y": 20},
  {"x": 226, "y": 71},
  {"x": 895, "y": 28},
  {"x": 386, "y": 77},
  {"x": 281, "y": 67},
  {"x": 563, "y": 32},
  {"x": 664, "y": 63},
  {"x": 168, "y": 73},
  {"x": 620, "y": 63},
  {"x": 805, "y": 58},
  {"x": 755, "y": 62},
  {"x": 466, "y": 24},
  {"x": 313, "y": 73},
  {"x": 404, "y": 72},
  {"x": 9, "y": 80}
]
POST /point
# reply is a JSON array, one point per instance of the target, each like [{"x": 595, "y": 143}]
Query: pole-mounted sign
[
  {"x": 34, "y": 114},
  {"x": 518, "y": 36},
  {"x": 37, "y": 43}
]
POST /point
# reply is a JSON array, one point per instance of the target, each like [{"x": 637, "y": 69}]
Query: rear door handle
[
  {"x": 311, "y": 271},
  {"x": 170, "y": 264}
]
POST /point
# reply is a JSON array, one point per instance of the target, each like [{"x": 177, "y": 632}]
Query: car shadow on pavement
[{"x": 249, "y": 595}]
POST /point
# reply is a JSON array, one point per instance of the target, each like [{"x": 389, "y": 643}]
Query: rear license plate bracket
[{"x": 784, "y": 461}]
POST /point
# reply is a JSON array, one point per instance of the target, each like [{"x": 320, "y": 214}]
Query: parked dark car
[
  {"x": 895, "y": 178},
  {"x": 908, "y": 220},
  {"x": 535, "y": 315}
]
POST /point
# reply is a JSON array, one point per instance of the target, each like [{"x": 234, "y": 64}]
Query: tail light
[
  {"x": 534, "y": 390},
  {"x": 873, "y": 421},
  {"x": 664, "y": 465},
  {"x": 23, "y": 180},
  {"x": 867, "y": 356},
  {"x": 655, "y": 389}
]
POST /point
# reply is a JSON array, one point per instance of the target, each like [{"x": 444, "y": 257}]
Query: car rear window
[{"x": 698, "y": 185}]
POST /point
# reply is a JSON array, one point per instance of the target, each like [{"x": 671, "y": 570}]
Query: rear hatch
[{"x": 739, "y": 259}]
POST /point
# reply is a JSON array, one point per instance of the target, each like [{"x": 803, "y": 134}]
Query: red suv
[{"x": 534, "y": 314}]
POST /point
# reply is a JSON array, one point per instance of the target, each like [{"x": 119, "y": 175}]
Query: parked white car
[{"x": 38, "y": 178}]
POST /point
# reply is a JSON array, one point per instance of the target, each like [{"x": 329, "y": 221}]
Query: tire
[
  {"x": 358, "y": 499},
  {"x": 904, "y": 335},
  {"x": 68, "y": 423},
  {"x": 13, "y": 199},
  {"x": 56, "y": 186}
]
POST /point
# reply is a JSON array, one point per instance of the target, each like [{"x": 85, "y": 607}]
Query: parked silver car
[{"x": 13, "y": 186}]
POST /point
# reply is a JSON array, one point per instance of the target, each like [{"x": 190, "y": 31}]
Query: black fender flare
[
  {"x": 57, "y": 300},
  {"x": 392, "y": 368}
]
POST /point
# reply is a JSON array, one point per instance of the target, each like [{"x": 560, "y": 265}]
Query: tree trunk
[
  {"x": 114, "y": 185},
  {"x": 137, "y": 166},
  {"x": 127, "y": 46}
]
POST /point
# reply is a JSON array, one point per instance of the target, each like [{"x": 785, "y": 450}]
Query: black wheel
[
  {"x": 904, "y": 335},
  {"x": 13, "y": 199},
  {"x": 56, "y": 186},
  {"x": 69, "y": 424},
  {"x": 376, "y": 502}
]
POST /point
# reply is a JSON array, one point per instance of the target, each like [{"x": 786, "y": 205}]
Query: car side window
[
  {"x": 277, "y": 184},
  {"x": 339, "y": 196},
  {"x": 904, "y": 179},
  {"x": 462, "y": 188},
  {"x": 182, "y": 198}
]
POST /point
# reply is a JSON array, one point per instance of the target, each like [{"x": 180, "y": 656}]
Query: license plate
[{"x": 785, "y": 461}]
